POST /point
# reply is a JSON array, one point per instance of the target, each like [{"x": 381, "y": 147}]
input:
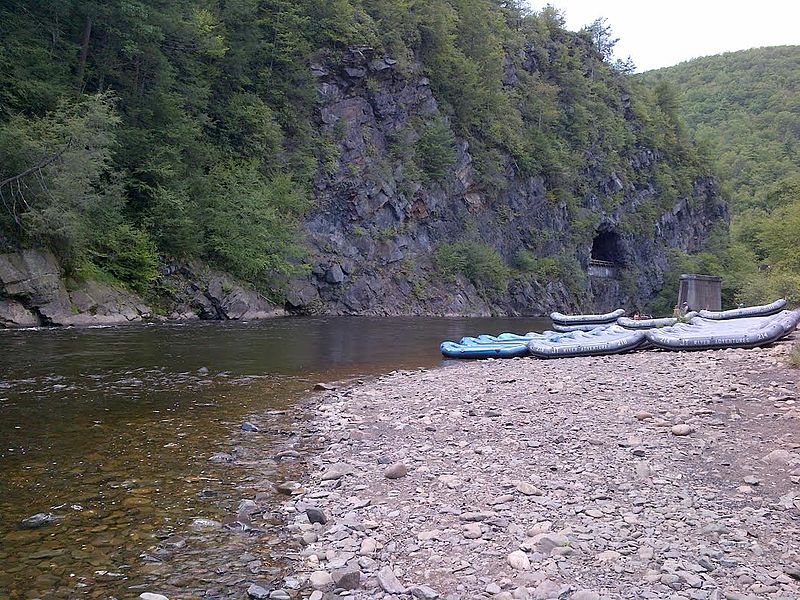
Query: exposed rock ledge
[{"x": 33, "y": 293}]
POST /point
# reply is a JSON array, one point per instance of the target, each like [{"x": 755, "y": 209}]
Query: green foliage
[
  {"x": 250, "y": 232},
  {"x": 478, "y": 262},
  {"x": 74, "y": 196},
  {"x": 737, "y": 106},
  {"x": 794, "y": 356},
  {"x": 129, "y": 255},
  {"x": 435, "y": 152}
]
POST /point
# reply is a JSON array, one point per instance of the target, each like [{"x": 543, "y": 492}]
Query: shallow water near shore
[{"x": 110, "y": 430}]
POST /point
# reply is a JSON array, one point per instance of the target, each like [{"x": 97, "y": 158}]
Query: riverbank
[{"x": 648, "y": 475}]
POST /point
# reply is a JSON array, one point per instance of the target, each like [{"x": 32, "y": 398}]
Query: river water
[{"x": 110, "y": 430}]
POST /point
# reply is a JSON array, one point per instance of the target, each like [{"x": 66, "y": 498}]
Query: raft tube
[
  {"x": 610, "y": 340},
  {"x": 497, "y": 350},
  {"x": 628, "y": 323},
  {"x": 607, "y": 318},
  {"x": 582, "y": 327},
  {"x": 710, "y": 334},
  {"x": 494, "y": 339},
  {"x": 748, "y": 311}
]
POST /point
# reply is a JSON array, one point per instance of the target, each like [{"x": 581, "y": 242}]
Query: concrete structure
[
  {"x": 700, "y": 291},
  {"x": 602, "y": 268}
]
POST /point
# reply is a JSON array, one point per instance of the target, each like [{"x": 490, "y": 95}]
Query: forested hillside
[
  {"x": 743, "y": 108},
  {"x": 344, "y": 155}
]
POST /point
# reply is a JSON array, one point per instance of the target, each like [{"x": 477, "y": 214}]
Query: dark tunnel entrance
[{"x": 606, "y": 248}]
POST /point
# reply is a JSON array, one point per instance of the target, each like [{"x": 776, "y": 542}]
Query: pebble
[
  {"x": 250, "y": 427},
  {"x": 395, "y": 471},
  {"x": 320, "y": 579},
  {"x": 337, "y": 471},
  {"x": 257, "y": 592},
  {"x": 389, "y": 582},
  {"x": 472, "y": 531},
  {"x": 519, "y": 560},
  {"x": 151, "y": 596},
  {"x": 315, "y": 515},
  {"x": 779, "y": 456},
  {"x": 423, "y": 592},
  {"x": 347, "y": 579},
  {"x": 38, "y": 520},
  {"x": 681, "y": 429},
  {"x": 528, "y": 489},
  {"x": 585, "y": 595}
]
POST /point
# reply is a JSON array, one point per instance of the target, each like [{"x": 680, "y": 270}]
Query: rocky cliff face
[
  {"x": 374, "y": 234},
  {"x": 33, "y": 293},
  {"x": 377, "y": 224}
]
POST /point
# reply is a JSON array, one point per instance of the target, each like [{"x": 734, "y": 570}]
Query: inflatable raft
[
  {"x": 712, "y": 334},
  {"x": 505, "y": 345},
  {"x": 629, "y": 323},
  {"x": 582, "y": 327},
  {"x": 749, "y": 311},
  {"x": 612, "y": 339},
  {"x": 607, "y": 318},
  {"x": 496, "y": 350}
]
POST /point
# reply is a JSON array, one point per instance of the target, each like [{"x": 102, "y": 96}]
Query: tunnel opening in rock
[{"x": 607, "y": 248}]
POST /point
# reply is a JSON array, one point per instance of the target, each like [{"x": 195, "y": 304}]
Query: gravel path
[{"x": 648, "y": 475}]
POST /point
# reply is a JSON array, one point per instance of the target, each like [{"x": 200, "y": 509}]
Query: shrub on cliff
[
  {"x": 57, "y": 183},
  {"x": 251, "y": 220},
  {"x": 478, "y": 262},
  {"x": 435, "y": 151}
]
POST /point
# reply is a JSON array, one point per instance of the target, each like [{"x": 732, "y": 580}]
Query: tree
[
  {"x": 602, "y": 38},
  {"x": 57, "y": 182}
]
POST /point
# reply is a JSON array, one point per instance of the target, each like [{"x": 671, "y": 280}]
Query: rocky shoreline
[
  {"x": 35, "y": 293},
  {"x": 647, "y": 475}
]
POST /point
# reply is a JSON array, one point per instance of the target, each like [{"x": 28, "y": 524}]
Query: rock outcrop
[
  {"x": 197, "y": 292},
  {"x": 33, "y": 293},
  {"x": 374, "y": 230}
]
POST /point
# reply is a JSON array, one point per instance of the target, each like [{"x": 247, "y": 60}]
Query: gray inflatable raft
[
  {"x": 582, "y": 327},
  {"x": 710, "y": 334},
  {"x": 563, "y": 319},
  {"x": 748, "y": 311},
  {"x": 612, "y": 339},
  {"x": 628, "y": 323}
]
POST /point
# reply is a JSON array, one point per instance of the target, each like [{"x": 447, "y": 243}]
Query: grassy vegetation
[{"x": 794, "y": 357}]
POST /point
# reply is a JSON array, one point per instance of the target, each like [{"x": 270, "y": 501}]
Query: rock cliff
[
  {"x": 379, "y": 223},
  {"x": 374, "y": 232},
  {"x": 33, "y": 293}
]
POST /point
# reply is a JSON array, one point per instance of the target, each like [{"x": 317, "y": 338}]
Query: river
[{"x": 110, "y": 430}]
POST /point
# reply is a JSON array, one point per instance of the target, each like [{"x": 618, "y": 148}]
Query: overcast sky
[{"x": 665, "y": 32}]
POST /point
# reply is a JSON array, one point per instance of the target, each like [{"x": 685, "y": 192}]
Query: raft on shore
[
  {"x": 709, "y": 334},
  {"x": 596, "y": 335},
  {"x": 610, "y": 339}
]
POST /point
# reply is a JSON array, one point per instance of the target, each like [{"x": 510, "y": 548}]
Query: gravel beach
[{"x": 646, "y": 475}]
